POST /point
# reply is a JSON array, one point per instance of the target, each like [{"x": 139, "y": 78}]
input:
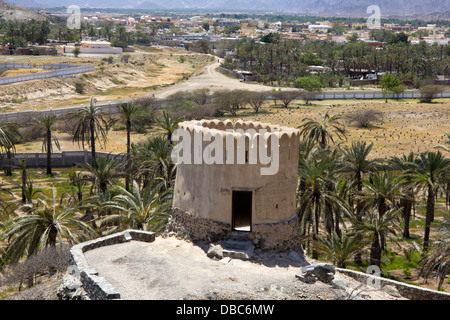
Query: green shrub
[{"x": 80, "y": 87}]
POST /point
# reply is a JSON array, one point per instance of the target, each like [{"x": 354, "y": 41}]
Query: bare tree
[
  {"x": 430, "y": 92},
  {"x": 287, "y": 96},
  {"x": 257, "y": 98},
  {"x": 307, "y": 96},
  {"x": 231, "y": 100},
  {"x": 364, "y": 118}
]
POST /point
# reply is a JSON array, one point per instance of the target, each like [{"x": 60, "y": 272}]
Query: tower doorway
[{"x": 242, "y": 210}]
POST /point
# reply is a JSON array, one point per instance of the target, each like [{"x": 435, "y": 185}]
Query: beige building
[
  {"x": 93, "y": 47},
  {"x": 240, "y": 192}
]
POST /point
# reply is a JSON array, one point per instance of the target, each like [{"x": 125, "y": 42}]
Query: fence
[
  {"x": 15, "y": 65},
  {"x": 373, "y": 95},
  {"x": 65, "y": 159},
  {"x": 24, "y": 116},
  {"x": 62, "y": 70}
]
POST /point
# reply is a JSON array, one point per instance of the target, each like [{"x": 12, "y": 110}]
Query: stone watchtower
[{"x": 238, "y": 178}]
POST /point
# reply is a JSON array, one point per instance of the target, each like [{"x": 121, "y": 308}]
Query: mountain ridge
[{"x": 319, "y": 7}]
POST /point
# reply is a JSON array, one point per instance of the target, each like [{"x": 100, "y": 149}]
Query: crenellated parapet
[{"x": 243, "y": 142}]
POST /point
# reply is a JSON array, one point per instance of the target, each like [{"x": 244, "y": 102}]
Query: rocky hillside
[{"x": 17, "y": 13}]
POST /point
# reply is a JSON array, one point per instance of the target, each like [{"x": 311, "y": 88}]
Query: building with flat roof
[{"x": 93, "y": 47}]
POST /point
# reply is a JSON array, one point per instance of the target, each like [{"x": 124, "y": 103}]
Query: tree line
[{"x": 282, "y": 61}]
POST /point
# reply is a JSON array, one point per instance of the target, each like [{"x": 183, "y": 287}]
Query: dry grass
[
  {"x": 17, "y": 72},
  {"x": 407, "y": 126}
]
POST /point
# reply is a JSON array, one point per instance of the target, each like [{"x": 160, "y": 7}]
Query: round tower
[{"x": 236, "y": 178}]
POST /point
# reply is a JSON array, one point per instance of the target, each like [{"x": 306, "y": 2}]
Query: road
[{"x": 211, "y": 79}]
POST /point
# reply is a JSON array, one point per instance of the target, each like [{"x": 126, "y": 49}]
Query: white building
[
  {"x": 100, "y": 47},
  {"x": 320, "y": 27}
]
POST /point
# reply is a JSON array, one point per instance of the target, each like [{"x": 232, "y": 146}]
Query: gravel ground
[{"x": 171, "y": 269}]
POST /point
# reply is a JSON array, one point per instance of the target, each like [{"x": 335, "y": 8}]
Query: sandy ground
[{"x": 171, "y": 269}]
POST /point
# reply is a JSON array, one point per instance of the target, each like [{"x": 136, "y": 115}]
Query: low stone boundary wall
[
  {"x": 65, "y": 159},
  {"x": 406, "y": 290},
  {"x": 98, "y": 288}
]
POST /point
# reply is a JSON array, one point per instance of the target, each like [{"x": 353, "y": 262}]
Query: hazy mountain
[
  {"x": 147, "y": 5},
  {"x": 17, "y": 13},
  {"x": 323, "y": 7},
  {"x": 25, "y": 3}
]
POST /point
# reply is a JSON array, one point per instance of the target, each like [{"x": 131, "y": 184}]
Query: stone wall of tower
[{"x": 205, "y": 190}]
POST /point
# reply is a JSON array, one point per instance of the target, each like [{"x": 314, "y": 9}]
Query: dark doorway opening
[{"x": 242, "y": 210}]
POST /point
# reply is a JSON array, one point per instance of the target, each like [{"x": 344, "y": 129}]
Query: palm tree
[
  {"x": 47, "y": 122},
  {"x": 146, "y": 210},
  {"x": 91, "y": 126},
  {"x": 377, "y": 227},
  {"x": 152, "y": 158},
  {"x": 355, "y": 161},
  {"x": 317, "y": 199},
  {"x": 44, "y": 225},
  {"x": 381, "y": 190},
  {"x": 168, "y": 125},
  {"x": 439, "y": 259},
  {"x": 403, "y": 164},
  {"x": 446, "y": 148},
  {"x": 23, "y": 166},
  {"x": 322, "y": 130},
  {"x": 102, "y": 173},
  {"x": 9, "y": 135},
  {"x": 339, "y": 248},
  {"x": 6, "y": 216},
  {"x": 429, "y": 174},
  {"x": 95, "y": 207},
  {"x": 129, "y": 111},
  {"x": 78, "y": 182}
]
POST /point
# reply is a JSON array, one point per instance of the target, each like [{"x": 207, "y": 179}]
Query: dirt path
[{"x": 210, "y": 79}]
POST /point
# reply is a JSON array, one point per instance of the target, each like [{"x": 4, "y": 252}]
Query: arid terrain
[
  {"x": 147, "y": 70},
  {"x": 407, "y": 124}
]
